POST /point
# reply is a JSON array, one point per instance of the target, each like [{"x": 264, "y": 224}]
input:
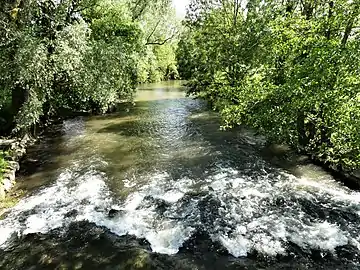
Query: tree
[
  {"x": 76, "y": 55},
  {"x": 158, "y": 60},
  {"x": 288, "y": 68}
]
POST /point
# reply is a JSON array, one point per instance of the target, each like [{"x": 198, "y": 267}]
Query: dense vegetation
[
  {"x": 60, "y": 56},
  {"x": 3, "y": 164},
  {"x": 290, "y": 68}
]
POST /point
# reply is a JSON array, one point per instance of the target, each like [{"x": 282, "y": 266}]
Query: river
[{"x": 159, "y": 186}]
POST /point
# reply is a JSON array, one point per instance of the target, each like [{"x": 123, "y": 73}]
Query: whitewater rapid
[{"x": 262, "y": 213}]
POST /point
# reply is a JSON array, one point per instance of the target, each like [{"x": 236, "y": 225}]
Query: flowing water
[{"x": 159, "y": 186}]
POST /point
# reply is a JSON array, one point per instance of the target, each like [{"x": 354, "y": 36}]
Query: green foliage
[
  {"x": 289, "y": 69},
  {"x": 3, "y": 164},
  {"x": 158, "y": 61},
  {"x": 158, "y": 64},
  {"x": 79, "y": 55}
]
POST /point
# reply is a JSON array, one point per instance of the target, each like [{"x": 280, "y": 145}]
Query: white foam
[
  {"x": 133, "y": 201},
  {"x": 237, "y": 246},
  {"x": 49, "y": 206},
  {"x": 330, "y": 187},
  {"x": 268, "y": 245},
  {"x": 169, "y": 240},
  {"x": 247, "y": 217},
  {"x": 128, "y": 183},
  {"x": 85, "y": 193},
  {"x": 322, "y": 235},
  {"x": 36, "y": 223},
  {"x": 5, "y": 234},
  {"x": 266, "y": 228},
  {"x": 171, "y": 196},
  {"x": 164, "y": 235}
]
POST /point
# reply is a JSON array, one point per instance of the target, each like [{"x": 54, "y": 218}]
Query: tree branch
[
  {"x": 161, "y": 42},
  {"x": 152, "y": 32},
  {"x": 350, "y": 24}
]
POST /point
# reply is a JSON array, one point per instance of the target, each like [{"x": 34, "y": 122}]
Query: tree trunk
[
  {"x": 19, "y": 96},
  {"x": 350, "y": 24},
  {"x": 302, "y": 140},
  {"x": 330, "y": 15}
]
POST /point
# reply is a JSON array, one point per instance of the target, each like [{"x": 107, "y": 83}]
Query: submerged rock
[
  {"x": 200, "y": 243},
  {"x": 114, "y": 212},
  {"x": 71, "y": 213}
]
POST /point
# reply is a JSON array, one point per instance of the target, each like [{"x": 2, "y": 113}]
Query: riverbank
[
  {"x": 349, "y": 179},
  {"x": 288, "y": 158},
  {"x": 12, "y": 151}
]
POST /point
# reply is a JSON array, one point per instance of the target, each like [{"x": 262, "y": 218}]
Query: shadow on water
[
  {"x": 190, "y": 147},
  {"x": 130, "y": 128},
  {"x": 42, "y": 162}
]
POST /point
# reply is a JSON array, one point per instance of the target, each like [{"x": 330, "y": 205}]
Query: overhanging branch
[{"x": 161, "y": 42}]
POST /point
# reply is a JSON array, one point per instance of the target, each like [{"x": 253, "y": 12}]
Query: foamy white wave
[
  {"x": 46, "y": 210},
  {"x": 252, "y": 213},
  {"x": 87, "y": 192},
  {"x": 267, "y": 229},
  {"x": 267, "y": 244},
  {"x": 164, "y": 235},
  {"x": 237, "y": 246},
  {"x": 170, "y": 196},
  {"x": 331, "y": 187},
  {"x": 356, "y": 242},
  {"x": 169, "y": 240},
  {"x": 133, "y": 201},
  {"x": 322, "y": 235},
  {"x": 6, "y": 233}
]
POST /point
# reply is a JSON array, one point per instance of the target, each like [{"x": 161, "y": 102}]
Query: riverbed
[{"x": 158, "y": 185}]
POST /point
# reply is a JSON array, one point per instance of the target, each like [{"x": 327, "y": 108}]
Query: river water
[{"x": 159, "y": 186}]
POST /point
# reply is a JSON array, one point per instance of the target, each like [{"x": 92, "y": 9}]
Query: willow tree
[
  {"x": 160, "y": 37},
  {"x": 70, "y": 55}
]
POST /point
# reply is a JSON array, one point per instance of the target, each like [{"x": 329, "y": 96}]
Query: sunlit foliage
[
  {"x": 290, "y": 68},
  {"x": 79, "y": 55}
]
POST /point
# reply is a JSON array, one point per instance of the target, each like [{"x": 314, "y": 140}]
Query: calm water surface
[{"x": 181, "y": 194}]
